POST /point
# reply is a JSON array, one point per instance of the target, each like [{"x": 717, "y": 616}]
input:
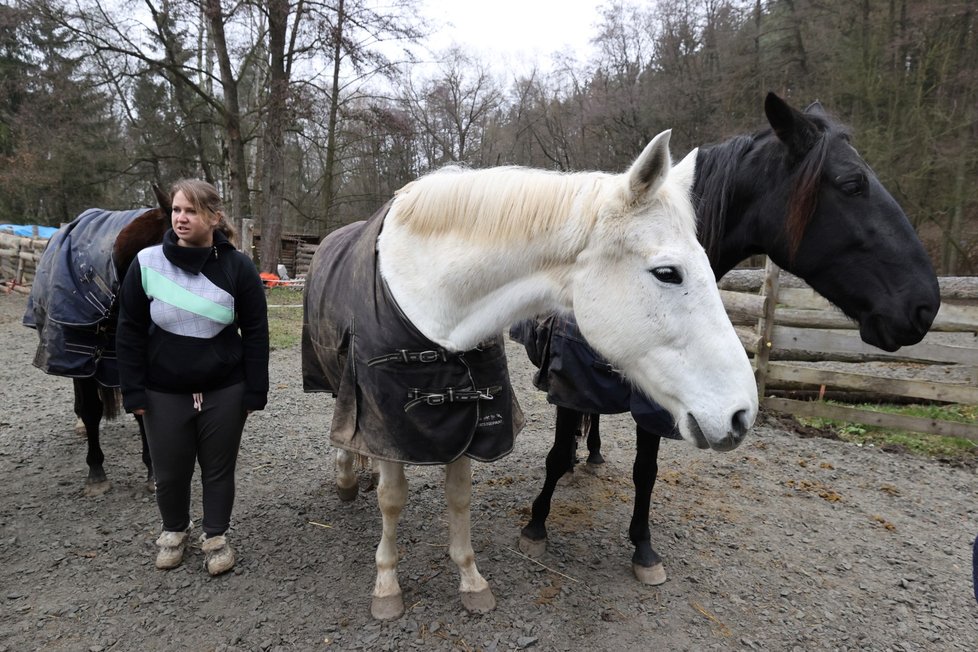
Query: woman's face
[{"x": 193, "y": 229}]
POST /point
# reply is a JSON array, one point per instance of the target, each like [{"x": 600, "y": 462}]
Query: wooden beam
[
  {"x": 868, "y": 417},
  {"x": 787, "y": 338},
  {"x": 945, "y": 392}
]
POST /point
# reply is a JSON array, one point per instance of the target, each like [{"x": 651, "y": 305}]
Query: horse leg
[
  {"x": 147, "y": 460},
  {"x": 88, "y": 405},
  {"x": 79, "y": 400},
  {"x": 560, "y": 460},
  {"x": 646, "y": 563},
  {"x": 391, "y": 496},
  {"x": 476, "y": 595},
  {"x": 346, "y": 477},
  {"x": 594, "y": 458}
]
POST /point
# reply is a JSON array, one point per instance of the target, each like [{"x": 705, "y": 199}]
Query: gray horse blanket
[
  {"x": 399, "y": 396},
  {"x": 576, "y": 377},
  {"x": 72, "y": 303}
]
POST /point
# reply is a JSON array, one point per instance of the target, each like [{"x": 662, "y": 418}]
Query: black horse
[
  {"x": 800, "y": 193},
  {"x": 73, "y": 307}
]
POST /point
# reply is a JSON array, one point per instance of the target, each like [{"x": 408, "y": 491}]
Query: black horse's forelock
[{"x": 804, "y": 193}]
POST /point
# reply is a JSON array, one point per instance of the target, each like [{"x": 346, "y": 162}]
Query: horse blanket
[
  {"x": 576, "y": 377},
  {"x": 399, "y": 396},
  {"x": 72, "y": 303}
]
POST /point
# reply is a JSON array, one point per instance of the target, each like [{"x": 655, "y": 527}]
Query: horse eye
[
  {"x": 669, "y": 275},
  {"x": 853, "y": 186}
]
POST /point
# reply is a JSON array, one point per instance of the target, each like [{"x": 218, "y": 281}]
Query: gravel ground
[{"x": 786, "y": 543}]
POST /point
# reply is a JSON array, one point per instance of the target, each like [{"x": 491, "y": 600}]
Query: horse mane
[
  {"x": 716, "y": 171},
  {"x": 497, "y": 204}
]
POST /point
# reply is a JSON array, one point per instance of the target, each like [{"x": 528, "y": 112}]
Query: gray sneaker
[
  {"x": 218, "y": 555},
  {"x": 172, "y": 546}
]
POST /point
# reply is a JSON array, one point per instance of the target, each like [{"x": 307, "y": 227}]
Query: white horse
[{"x": 465, "y": 253}]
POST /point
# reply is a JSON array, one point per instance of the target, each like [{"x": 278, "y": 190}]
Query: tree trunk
[
  {"x": 273, "y": 179},
  {"x": 329, "y": 189},
  {"x": 231, "y": 113}
]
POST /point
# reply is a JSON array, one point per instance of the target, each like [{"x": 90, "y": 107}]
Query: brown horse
[{"x": 73, "y": 307}]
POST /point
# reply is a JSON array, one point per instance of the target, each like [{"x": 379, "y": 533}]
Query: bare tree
[{"x": 452, "y": 109}]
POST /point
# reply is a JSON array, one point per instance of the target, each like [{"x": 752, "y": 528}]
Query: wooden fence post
[
  {"x": 765, "y": 325},
  {"x": 248, "y": 237}
]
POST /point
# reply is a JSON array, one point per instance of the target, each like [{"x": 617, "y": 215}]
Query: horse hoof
[
  {"x": 93, "y": 489},
  {"x": 347, "y": 494},
  {"x": 479, "y": 602},
  {"x": 595, "y": 469},
  {"x": 651, "y": 575},
  {"x": 532, "y": 548},
  {"x": 80, "y": 428},
  {"x": 388, "y": 607}
]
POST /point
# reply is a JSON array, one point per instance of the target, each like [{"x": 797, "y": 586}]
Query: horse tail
[{"x": 111, "y": 398}]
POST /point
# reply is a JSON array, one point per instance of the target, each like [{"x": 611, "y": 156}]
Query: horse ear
[
  {"x": 650, "y": 168},
  {"x": 790, "y": 125},
  {"x": 163, "y": 199},
  {"x": 685, "y": 171},
  {"x": 815, "y": 108}
]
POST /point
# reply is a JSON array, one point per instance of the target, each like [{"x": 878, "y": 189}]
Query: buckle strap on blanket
[
  {"x": 403, "y": 355},
  {"x": 606, "y": 367},
  {"x": 449, "y": 395}
]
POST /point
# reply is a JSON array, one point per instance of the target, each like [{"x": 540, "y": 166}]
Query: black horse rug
[
  {"x": 73, "y": 299},
  {"x": 399, "y": 396},
  {"x": 574, "y": 376}
]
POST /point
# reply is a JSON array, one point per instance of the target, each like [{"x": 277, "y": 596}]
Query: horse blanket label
[
  {"x": 72, "y": 300},
  {"x": 575, "y": 376},
  {"x": 399, "y": 396}
]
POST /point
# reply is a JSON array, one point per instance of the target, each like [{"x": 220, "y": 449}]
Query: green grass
[
  {"x": 951, "y": 449},
  {"x": 284, "y": 323}
]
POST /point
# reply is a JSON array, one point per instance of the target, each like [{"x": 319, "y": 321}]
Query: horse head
[
  {"x": 146, "y": 230},
  {"x": 845, "y": 234},
  {"x": 645, "y": 297},
  {"x": 466, "y": 253}
]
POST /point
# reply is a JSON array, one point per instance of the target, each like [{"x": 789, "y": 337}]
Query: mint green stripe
[{"x": 160, "y": 287}]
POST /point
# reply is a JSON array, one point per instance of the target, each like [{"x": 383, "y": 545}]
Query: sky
[{"x": 514, "y": 32}]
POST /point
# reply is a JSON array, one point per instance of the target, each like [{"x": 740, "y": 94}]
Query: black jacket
[{"x": 153, "y": 358}]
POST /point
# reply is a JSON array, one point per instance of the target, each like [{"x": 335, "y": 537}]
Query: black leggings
[{"x": 178, "y": 435}]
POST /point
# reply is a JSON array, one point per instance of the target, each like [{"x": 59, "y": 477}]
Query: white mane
[{"x": 498, "y": 204}]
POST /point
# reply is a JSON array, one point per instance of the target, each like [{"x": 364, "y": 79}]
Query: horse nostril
[
  {"x": 739, "y": 424},
  {"x": 924, "y": 317}
]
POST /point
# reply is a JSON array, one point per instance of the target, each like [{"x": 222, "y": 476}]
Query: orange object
[{"x": 269, "y": 279}]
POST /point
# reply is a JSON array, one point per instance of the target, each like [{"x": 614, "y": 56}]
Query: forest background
[{"x": 308, "y": 114}]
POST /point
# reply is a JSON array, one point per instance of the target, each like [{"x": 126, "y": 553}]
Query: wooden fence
[
  {"x": 18, "y": 260},
  {"x": 802, "y": 345}
]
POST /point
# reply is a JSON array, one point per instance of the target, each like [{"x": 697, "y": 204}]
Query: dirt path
[{"x": 784, "y": 544}]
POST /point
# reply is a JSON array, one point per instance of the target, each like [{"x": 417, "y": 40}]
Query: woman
[{"x": 192, "y": 343}]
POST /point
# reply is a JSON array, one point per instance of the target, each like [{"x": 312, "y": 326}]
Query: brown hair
[{"x": 205, "y": 198}]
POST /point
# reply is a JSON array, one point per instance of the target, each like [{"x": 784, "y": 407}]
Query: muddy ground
[{"x": 787, "y": 543}]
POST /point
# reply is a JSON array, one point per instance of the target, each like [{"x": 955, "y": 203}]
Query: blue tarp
[{"x": 27, "y": 231}]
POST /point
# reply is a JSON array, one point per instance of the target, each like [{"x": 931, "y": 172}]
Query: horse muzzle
[
  {"x": 890, "y": 333},
  {"x": 726, "y": 439}
]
